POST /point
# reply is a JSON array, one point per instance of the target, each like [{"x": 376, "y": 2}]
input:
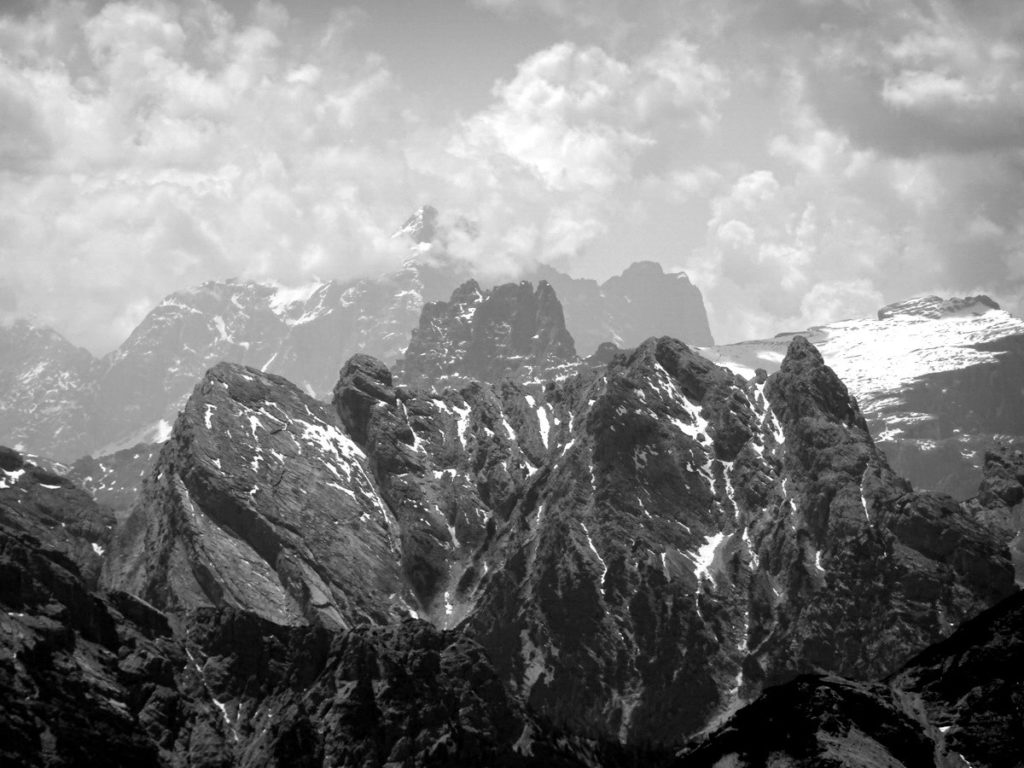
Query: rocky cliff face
[
  {"x": 956, "y": 704},
  {"x": 511, "y": 330},
  {"x": 694, "y": 538},
  {"x": 626, "y": 309},
  {"x": 87, "y": 677},
  {"x": 938, "y": 380},
  {"x": 1000, "y": 501},
  {"x": 260, "y": 501},
  {"x": 38, "y": 503},
  {"x": 115, "y": 480},
  {"x": 639, "y": 550},
  {"x": 60, "y": 401}
]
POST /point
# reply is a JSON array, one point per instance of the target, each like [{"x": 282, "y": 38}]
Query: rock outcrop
[
  {"x": 938, "y": 381},
  {"x": 955, "y": 704},
  {"x": 260, "y": 501},
  {"x": 640, "y": 550},
  {"x": 106, "y": 678},
  {"x": 115, "y": 480},
  {"x": 508, "y": 331},
  {"x": 38, "y": 503},
  {"x": 696, "y": 537},
  {"x": 1000, "y": 500}
]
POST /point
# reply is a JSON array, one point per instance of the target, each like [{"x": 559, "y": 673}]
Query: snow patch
[
  {"x": 10, "y": 478},
  {"x": 604, "y": 566},
  {"x": 284, "y": 297},
  {"x": 463, "y": 424},
  {"x": 524, "y": 744},
  {"x": 545, "y": 426},
  {"x": 706, "y": 555}
]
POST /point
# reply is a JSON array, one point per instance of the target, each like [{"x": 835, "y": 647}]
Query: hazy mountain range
[{"x": 487, "y": 544}]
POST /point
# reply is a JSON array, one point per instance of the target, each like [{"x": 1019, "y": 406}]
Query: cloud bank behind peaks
[
  {"x": 801, "y": 160},
  {"x": 152, "y": 146}
]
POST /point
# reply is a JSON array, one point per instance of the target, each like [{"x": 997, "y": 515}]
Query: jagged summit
[
  {"x": 937, "y": 379},
  {"x": 420, "y": 227},
  {"x": 60, "y": 401},
  {"x": 510, "y": 330},
  {"x": 933, "y": 307}
]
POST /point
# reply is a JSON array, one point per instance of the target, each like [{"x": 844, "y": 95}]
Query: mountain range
[
  {"x": 601, "y": 571},
  {"x": 487, "y": 543},
  {"x": 59, "y": 401}
]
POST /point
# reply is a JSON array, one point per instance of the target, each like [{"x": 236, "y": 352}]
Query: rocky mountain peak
[
  {"x": 934, "y": 307},
  {"x": 512, "y": 329},
  {"x": 260, "y": 500},
  {"x": 421, "y": 226},
  {"x": 806, "y": 387}
]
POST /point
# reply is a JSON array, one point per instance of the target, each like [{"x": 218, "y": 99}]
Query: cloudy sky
[{"x": 801, "y": 160}]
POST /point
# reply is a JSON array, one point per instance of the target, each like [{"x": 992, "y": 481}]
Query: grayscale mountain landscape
[{"x": 511, "y": 383}]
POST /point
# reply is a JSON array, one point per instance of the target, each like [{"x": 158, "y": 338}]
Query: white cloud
[
  {"x": 796, "y": 158},
  {"x": 577, "y": 117},
  {"x": 163, "y": 144}
]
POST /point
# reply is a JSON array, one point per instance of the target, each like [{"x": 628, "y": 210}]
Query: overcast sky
[{"x": 802, "y": 160}]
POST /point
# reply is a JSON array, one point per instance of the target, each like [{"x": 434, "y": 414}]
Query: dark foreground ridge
[
  {"x": 957, "y": 703},
  {"x": 91, "y": 678}
]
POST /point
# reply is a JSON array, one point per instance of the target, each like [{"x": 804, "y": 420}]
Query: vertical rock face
[
  {"x": 452, "y": 467},
  {"x": 259, "y": 500},
  {"x": 510, "y": 330},
  {"x": 1000, "y": 500}
]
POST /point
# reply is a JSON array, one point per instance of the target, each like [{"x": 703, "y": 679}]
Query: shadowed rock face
[
  {"x": 640, "y": 550},
  {"x": 115, "y": 480},
  {"x": 47, "y": 506},
  {"x": 957, "y": 703},
  {"x": 696, "y": 538},
  {"x": 1000, "y": 501},
  {"x": 510, "y": 330},
  {"x": 104, "y": 677},
  {"x": 452, "y": 467}
]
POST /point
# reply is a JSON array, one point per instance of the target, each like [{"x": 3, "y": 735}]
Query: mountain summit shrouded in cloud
[{"x": 802, "y": 161}]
